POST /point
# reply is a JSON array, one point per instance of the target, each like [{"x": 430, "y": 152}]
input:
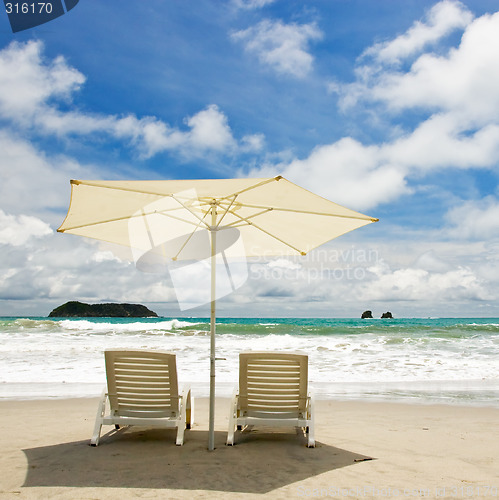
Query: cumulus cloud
[
  {"x": 440, "y": 142},
  {"x": 33, "y": 183},
  {"x": 458, "y": 92},
  {"x": 347, "y": 172},
  {"x": 464, "y": 80},
  {"x": 415, "y": 284},
  {"x": 284, "y": 264},
  {"x": 475, "y": 220},
  {"x": 209, "y": 130},
  {"x": 441, "y": 20},
  {"x": 27, "y": 83},
  {"x": 83, "y": 272},
  {"x": 432, "y": 262},
  {"x": 252, "y": 142},
  {"x": 32, "y": 87},
  {"x": 16, "y": 230},
  {"x": 283, "y": 47},
  {"x": 252, "y": 4}
]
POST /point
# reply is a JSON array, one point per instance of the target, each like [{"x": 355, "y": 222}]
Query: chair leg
[
  {"x": 186, "y": 411},
  {"x": 96, "y": 436},
  {"x": 311, "y": 425},
  {"x": 189, "y": 411},
  {"x": 230, "y": 436},
  {"x": 232, "y": 420},
  {"x": 94, "y": 441},
  {"x": 180, "y": 434}
]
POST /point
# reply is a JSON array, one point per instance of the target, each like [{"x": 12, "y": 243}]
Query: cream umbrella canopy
[{"x": 198, "y": 219}]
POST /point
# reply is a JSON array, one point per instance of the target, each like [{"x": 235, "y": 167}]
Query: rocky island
[
  {"x": 369, "y": 315},
  {"x": 74, "y": 309}
]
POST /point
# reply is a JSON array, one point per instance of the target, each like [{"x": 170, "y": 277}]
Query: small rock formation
[
  {"x": 388, "y": 315},
  {"x": 74, "y": 309},
  {"x": 367, "y": 315}
]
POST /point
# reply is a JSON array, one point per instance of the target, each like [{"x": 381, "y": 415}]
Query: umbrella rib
[
  {"x": 246, "y": 219},
  {"x": 188, "y": 239},
  {"x": 307, "y": 212},
  {"x": 118, "y": 188},
  {"x": 262, "y": 183},
  {"x": 278, "y": 178},
  {"x": 148, "y": 229},
  {"x": 227, "y": 210},
  {"x": 266, "y": 181},
  {"x": 143, "y": 191},
  {"x": 237, "y": 193},
  {"x": 301, "y": 252},
  {"x": 201, "y": 219},
  {"x": 192, "y": 223},
  {"x": 117, "y": 219},
  {"x": 88, "y": 224}
]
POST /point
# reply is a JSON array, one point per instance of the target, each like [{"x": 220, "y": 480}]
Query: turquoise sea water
[{"x": 442, "y": 360}]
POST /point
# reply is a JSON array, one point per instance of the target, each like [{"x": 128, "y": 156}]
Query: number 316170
[{"x": 29, "y": 8}]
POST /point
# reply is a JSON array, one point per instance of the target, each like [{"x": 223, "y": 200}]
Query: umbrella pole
[{"x": 213, "y": 233}]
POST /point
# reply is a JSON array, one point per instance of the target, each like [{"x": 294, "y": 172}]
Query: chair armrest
[
  {"x": 186, "y": 402},
  {"x": 101, "y": 409},
  {"x": 232, "y": 416},
  {"x": 310, "y": 404}
]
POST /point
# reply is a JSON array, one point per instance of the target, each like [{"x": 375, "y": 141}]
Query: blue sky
[{"x": 388, "y": 108}]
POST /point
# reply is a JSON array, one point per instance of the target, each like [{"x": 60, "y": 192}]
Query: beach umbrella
[{"x": 206, "y": 221}]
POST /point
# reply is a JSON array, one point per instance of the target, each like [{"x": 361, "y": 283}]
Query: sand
[{"x": 364, "y": 450}]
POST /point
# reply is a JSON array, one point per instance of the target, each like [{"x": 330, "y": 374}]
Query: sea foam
[{"x": 413, "y": 359}]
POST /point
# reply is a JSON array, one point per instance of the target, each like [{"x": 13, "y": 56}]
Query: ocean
[{"x": 434, "y": 360}]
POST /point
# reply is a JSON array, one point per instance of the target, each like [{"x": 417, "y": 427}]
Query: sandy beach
[{"x": 364, "y": 450}]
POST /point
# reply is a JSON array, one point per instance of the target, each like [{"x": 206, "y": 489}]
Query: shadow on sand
[{"x": 260, "y": 461}]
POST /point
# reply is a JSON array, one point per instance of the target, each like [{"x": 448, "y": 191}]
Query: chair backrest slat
[
  {"x": 142, "y": 383},
  {"x": 273, "y": 384}
]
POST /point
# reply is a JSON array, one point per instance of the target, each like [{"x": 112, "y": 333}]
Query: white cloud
[
  {"x": 475, "y": 220},
  {"x": 459, "y": 91},
  {"x": 430, "y": 261},
  {"x": 252, "y": 4},
  {"x": 347, "y": 172},
  {"x": 440, "y": 142},
  {"x": 465, "y": 81},
  {"x": 27, "y": 83},
  {"x": 253, "y": 142},
  {"x": 284, "y": 47},
  {"x": 442, "y": 19},
  {"x": 210, "y": 130},
  {"x": 411, "y": 284},
  {"x": 284, "y": 264},
  {"x": 105, "y": 255},
  {"x": 31, "y": 87},
  {"x": 36, "y": 184},
  {"x": 16, "y": 230},
  {"x": 54, "y": 268}
]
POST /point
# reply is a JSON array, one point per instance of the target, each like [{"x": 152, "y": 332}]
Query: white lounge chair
[
  {"x": 272, "y": 392},
  {"x": 142, "y": 389}
]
